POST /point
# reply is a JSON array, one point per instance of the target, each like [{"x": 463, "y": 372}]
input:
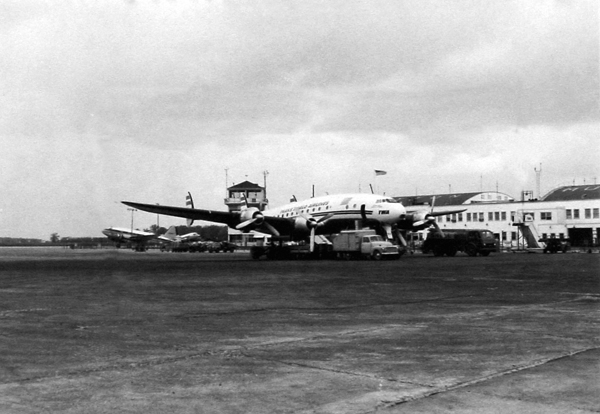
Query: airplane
[
  {"x": 136, "y": 238},
  {"x": 324, "y": 214},
  {"x": 172, "y": 236}
]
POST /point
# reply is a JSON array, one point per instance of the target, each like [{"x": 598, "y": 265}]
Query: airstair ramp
[{"x": 525, "y": 224}]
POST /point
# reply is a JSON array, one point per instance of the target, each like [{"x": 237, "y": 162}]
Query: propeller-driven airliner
[
  {"x": 172, "y": 236},
  {"x": 318, "y": 215},
  {"x": 136, "y": 238}
]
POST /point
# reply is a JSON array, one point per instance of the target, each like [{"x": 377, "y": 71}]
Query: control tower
[{"x": 254, "y": 193}]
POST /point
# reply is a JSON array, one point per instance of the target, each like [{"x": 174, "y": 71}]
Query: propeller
[
  {"x": 428, "y": 216},
  {"x": 257, "y": 218},
  {"x": 312, "y": 224}
]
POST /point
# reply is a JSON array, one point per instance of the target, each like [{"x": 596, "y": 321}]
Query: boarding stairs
[{"x": 528, "y": 232}]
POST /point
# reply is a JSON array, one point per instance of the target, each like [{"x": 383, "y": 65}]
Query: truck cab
[{"x": 472, "y": 242}]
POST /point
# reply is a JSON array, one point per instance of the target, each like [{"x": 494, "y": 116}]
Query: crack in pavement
[{"x": 464, "y": 384}]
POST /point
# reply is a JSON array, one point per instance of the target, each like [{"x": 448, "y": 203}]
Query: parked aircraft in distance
[
  {"x": 324, "y": 214},
  {"x": 136, "y": 238},
  {"x": 172, "y": 236}
]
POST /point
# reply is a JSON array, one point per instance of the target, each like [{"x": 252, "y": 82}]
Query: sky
[{"x": 103, "y": 101}]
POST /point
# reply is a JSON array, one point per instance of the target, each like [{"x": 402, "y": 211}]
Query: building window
[
  {"x": 497, "y": 216},
  {"x": 596, "y": 213},
  {"x": 513, "y": 235},
  {"x": 569, "y": 214},
  {"x": 468, "y": 216},
  {"x": 576, "y": 213},
  {"x": 480, "y": 216},
  {"x": 545, "y": 215},
  {"x": 460, "y": 216},
  {"x": 490, "y": 216},
  {"x": 588, "y": 213}
]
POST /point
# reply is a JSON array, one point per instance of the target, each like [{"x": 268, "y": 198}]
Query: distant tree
[
  {"x": 54, "y": 237},
  {"x": 216, "y": 233}
]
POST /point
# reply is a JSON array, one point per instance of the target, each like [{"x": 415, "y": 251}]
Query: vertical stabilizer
[
  {"x": 171, "y": 234},
  {"x": 189, "y": 202}
]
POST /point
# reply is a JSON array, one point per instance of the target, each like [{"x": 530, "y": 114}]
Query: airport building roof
[
  {"x": 455, "y": 199},
  {"x": 574, "y": 192},
  {"x": 246, "y": 185}
]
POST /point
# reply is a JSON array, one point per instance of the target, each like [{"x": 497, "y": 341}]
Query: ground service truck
[
  {"x": 355, "y": 244},
  {"x": 350, "y": 244},
  {"x": 448, "y": 242}
]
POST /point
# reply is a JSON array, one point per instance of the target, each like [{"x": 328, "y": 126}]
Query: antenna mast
[
  {"x": 538, "y": 179},
  {"x": 265, "y": 173}
]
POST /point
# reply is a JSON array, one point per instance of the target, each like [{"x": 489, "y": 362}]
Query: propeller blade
[
  {"x": 363, "y": 214},
  {"x": 245, "y": 223},
  {"x": 271, "y": 229},
  {"x": 323, "y": 219},
  {"x": 312, "y": 240},
  {"x": 243, "y": 197},
  {"x": 437, "y": 228}
]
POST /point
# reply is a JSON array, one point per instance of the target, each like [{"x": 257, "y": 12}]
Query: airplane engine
[
  {"x": 249, "y": 216},
  {"x": 304, "y": 224},
  {"x": 307, "y": 224}
]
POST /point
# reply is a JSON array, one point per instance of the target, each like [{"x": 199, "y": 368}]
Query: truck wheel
[
  {"x": 256, "y": 252},
  {"x": 376, "y": 255},
  {"x": 471, "y": 250}
]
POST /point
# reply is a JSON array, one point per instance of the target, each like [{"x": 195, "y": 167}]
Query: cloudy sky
[{"x": 103, "y": 101}]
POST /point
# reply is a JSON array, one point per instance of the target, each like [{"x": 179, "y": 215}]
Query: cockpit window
[{"x": 386, "y": 200}]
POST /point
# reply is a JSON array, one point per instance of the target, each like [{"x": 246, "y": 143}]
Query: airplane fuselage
[{"x": 346, "y": 207}]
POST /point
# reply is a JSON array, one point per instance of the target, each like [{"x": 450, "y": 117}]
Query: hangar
[{"x": 571, "y": 212}]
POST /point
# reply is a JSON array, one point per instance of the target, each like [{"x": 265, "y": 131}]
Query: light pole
[{"x": 132, "y": 210}]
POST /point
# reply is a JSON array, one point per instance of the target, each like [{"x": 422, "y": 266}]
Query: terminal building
[{"x": 571, "y": 212}]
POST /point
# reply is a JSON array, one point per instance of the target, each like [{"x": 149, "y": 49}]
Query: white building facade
[{"x": 567, "y": 212}]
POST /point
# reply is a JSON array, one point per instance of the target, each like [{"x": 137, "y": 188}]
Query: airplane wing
[
  {"x": 445, "y": 213},
  {"x": 225, "y": 217},
  {"x": 270, "y": 225}
]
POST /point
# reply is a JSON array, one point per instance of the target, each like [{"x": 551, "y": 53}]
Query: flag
[{"x": 380, "y": 172}]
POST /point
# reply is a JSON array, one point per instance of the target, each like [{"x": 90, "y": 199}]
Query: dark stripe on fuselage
[{"x": 336, "y": 213}]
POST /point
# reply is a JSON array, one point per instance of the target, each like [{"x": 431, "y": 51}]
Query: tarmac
[{"x": 99, "y": 331}]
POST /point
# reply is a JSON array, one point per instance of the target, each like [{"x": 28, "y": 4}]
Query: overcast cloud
[{"x": 105, "y": 101}]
